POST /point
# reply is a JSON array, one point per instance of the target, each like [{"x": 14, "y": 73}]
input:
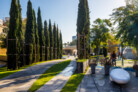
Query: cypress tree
[
  {"x": 41, "y": 36},
  {"x": 34, "y": 42},
  {"x": 58, "y": 44},
  {"x": 20, "y": 37},
  {"x": 55, "y": 41},
  {"x": 83, "y": 29},
  {"x": 36, "y": 38},
  {"x": 61, "y": 45},
  {"x": 87, "y": 30},
  {"x": 47, "y": 41},
  {"x": 29, "y": 34},
  {"x": 51, "y": 40},
  {"x": 12, "y": 43}
]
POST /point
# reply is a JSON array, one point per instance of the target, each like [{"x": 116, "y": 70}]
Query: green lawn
[
  {"x": 3, "y": 55},
  {"x": 4, "y": 72},
  {"x": 48, "y": 75},
  {"x": 73, "y": 82},
  {"x": 81, "y": 60}
]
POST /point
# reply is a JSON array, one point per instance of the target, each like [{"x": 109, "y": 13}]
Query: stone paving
[
  {"x": 101, "y": 83},
  {"x": 59, "y": 81},
  {"x": 21, "y": 81}
]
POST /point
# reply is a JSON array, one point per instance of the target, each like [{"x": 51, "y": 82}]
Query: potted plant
[
  {"x": 107, "y": 65},
  {"x": 136, "y": 69},
  {"x": 92, "y": 64}
]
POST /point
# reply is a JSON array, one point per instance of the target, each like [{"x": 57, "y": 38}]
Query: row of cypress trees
[{"x": 38, "y": 44}]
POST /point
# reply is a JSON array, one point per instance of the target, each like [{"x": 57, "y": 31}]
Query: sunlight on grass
[
  {"x": 73, "y": 82},
  {"x": 4, "y": 72},
  {"x": 48, "y": 75},
  {"x": 81, "y": 60}
]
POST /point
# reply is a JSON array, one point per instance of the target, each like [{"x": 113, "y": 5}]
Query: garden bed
[{"x": 82, "y": 65}]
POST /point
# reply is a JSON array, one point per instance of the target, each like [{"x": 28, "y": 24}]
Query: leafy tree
[
  {"x": 13, "y": 28},
  {"x": 47, "y": 41},
  {"x": 51, "y": 40},
  {"x": 29, "y": 34},
  {"x": 55, "y": 41},
  {"x": 74, "y": 42},
  {"x": 100, "y": 31},
  {"x": 41, "y": 36},
  {"x": 132, "y": 31},
  {"x": 83, "y": 28},
  {"x": 124, "y": 18}
]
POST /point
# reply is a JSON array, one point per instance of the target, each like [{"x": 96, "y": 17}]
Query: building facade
[{"x": 74, "y": 38}]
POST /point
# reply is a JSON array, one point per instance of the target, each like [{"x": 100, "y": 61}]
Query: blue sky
[{"x": 64, "y": 12}]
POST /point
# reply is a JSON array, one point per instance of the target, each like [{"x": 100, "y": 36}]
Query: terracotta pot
[
  {"x": 93, "y": 68},
  {"x": 107, "y": 69}
]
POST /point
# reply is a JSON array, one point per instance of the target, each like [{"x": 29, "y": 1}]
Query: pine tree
[
  {"x": 55, "y": 42},
  {"x": 47, "y": 41},
  {"x": 58, "y": 43},
  {"x": 29, "y": 34},
  {"x": 83, "y": 28},
  {"x": 51, "y": 40},
  {"x": 61, "y": 45},
  {"x": 36, "y": 38},
  {"x": 20, "y": 38},
  {"x": 41, "y": 36},
  {"x": 12, "y": 42}
]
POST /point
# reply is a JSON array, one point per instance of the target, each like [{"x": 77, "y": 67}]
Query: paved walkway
[
  {"x": 100, "y": 83},
  {"x": 59, "y": 81},
  {"x": 22, "y": 80}
]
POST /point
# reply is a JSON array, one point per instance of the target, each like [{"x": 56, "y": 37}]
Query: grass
[
  {"x": 3, "y": 55},
  {"x": 48, "y": 75},
  {"x": 81, "y": 60},
  {"x": 4, "y": 72},
  {"x": 64, "y": 55},
  {"x": 73, "y": 82}
]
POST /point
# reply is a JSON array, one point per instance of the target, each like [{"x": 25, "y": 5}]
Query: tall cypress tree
[
  {"x": 58, "y": 43},
  {"x": 51, "y": 40},
  {"x": 29, "y": 34},
  {"x": 47, "y": 40},
  {"x": 20, "y": 37},
  {"x": 34, "y": 42},
  {"x": 55, "y": 41},
  {"x": 36, "y": 38},
  {"x": 12, "y": 43},
  {"x": 61, "y": 45},
  {"x": 87, "y": 30},
  {"x": 41, "y": 36},
  {"x": 83, "y": 24}
]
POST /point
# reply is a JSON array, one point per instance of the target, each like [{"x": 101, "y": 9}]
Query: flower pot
[
  {"x": 93, "y": 68},
  {"x": 136, "y": 72},
  {"x": 107, "y": 69}
]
